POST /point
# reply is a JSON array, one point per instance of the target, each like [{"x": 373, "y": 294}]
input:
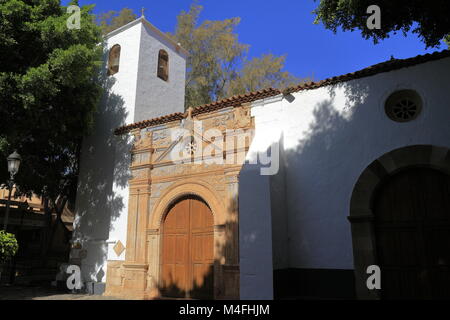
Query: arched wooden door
[
  {"x": 412, "y": 227},
  {"x": 188, "y": 250}
]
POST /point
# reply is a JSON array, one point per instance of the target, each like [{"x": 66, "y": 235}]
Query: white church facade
[{"x": 271, "y": 194}]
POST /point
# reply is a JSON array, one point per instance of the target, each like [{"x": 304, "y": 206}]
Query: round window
[{"x": 403, "y": 105}]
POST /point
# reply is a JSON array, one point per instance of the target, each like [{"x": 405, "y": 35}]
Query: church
[{"x": 274, "y": 194}]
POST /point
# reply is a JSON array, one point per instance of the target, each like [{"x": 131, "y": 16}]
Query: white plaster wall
[
  {"x": 156, "y": 97},
  {"x": 330, "y": 136},
  {"x": 102, "y": 197}
]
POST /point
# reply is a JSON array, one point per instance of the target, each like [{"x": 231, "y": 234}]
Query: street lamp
[{"x": 13, "y": 167}]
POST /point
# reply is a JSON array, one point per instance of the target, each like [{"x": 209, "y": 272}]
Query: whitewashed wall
[
  {"x": 329, "y": 136},
  {"x": 102, "y": 197},
  {"x": 154, "y": 96}
]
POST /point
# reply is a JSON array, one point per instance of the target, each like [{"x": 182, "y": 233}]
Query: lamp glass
[{"x": 13, "y": 163}]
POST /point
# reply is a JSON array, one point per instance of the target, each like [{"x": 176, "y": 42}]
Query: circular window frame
[{"x": 403, "y": 105}]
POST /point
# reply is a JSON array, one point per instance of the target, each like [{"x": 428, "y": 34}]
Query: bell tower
[
  {"x": 151, "y": 70},
  {"x": 143, "y": 77}
]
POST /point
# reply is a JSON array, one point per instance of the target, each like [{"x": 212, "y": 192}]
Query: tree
[
  {"x": 8, "y": 246},
  {"x": 260, "y": 73},
  {"x": 48, "y": 94},
  {"x": 111, "y": 20},
  {"x": 429, "y": 19},
  {"x": 217, "y": 66}
]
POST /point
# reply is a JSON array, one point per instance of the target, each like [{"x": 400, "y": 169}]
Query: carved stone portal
[{"x": 158, "y": 182}]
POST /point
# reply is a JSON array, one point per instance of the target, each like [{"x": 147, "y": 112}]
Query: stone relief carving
[
  {"x": 159, "y": 188},
  {"x": 139, "y": 173},
  {"x": 161, "y": 138},
  {"x": 142, "y": 140},
  {"x": 141, "y": 158},
  {"x": 159, "y": 135},
  {"x": 241, "y": 117},
  {"x": 222, "y": 121},
  {"x": 218, "y": 181},
  {"x": 151, "y": 155}
]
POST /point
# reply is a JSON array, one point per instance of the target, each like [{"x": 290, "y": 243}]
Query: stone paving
[{"x": 43, "y": 293}]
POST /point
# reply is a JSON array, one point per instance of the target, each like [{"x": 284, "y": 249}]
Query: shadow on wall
[
  {"x": 105, "y": 160},
  {"x": 217, "y": 281},
  {"x": 347, "y": 130},
  {"x": 255, "y": 234},
  {"x": 321, "y": 170},
  {"x": 318, "y": 177}
]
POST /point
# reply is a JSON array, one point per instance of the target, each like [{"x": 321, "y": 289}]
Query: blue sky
[{"x": 283, "y": 27}]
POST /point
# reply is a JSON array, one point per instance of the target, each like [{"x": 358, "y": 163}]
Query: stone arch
[
  {"x": 184, "y": 188},
  {"x": 361, "y": 216}
]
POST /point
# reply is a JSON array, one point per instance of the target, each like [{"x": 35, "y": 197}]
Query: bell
[{"x": 115, "y": 62}]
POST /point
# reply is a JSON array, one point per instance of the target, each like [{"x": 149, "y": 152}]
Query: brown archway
[
  {"x": 362, "y": 215},
  {"x": 412, "y": 231},
  {"x": 187, "y": 259}
]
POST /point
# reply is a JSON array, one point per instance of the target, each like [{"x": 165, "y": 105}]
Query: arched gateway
[
  {"x": 400, "y": 216},
  {"x": 412, "y": 231},
  {"x": 187, "y": 261},
  {"x": 182, "y": 222}
]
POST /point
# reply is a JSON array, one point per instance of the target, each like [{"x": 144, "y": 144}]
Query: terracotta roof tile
[
  {"x": 386, "y": 66},
  {"x": 235, "y": 101},
  {"x": 150, "y": 122}
]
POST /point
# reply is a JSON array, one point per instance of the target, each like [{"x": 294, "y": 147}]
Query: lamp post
[{"x": 13, "y": 167}]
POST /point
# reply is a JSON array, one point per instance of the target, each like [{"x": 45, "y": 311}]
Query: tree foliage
[
  {"x": 8, "y": 246},
  {"x": 262, "y": 72},
  {"x": 218, "y": 66},
  {"x": 48, "y": 93},
  {"x": 111, "y": 20},
  {"x": 430, "y": 19}
]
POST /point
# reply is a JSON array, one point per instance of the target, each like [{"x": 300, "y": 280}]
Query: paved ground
[{"x": 42, "y": 293}]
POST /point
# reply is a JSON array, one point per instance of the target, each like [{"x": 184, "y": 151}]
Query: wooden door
[
  {"x": 188, "y": 251},
  {"x": 412, "y": 225},
  {"x": 175, "y": 261}
]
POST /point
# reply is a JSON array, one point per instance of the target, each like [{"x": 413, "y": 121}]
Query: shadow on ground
[{"x": 44, "y": 293}]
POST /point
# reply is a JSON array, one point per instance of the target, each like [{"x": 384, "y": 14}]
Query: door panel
[
  {"x": 412, "y": 225},
  {"x": 175, "y": 262},
  {"x": 202, "y": 259},
  {"x": 188, "y": 251}
]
